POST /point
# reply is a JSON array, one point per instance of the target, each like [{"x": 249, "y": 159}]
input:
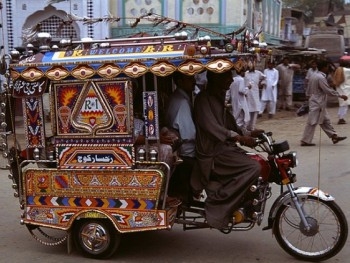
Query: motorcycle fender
[{"x": 302, "y": 193}]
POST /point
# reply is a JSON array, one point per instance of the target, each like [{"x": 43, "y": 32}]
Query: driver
[{"x": 223, "y": 169}]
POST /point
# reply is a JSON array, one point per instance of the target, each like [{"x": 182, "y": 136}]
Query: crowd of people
[
  {"x": 276, "y": 92},
  {"x": 253, "y": 92},
  {"x": 223, "y": 118}
]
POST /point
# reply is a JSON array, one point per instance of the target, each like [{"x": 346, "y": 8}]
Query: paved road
[{"x": 326, "y": 165}]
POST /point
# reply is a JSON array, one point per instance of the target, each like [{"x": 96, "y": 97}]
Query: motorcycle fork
[{"x": 298, "y": 206}]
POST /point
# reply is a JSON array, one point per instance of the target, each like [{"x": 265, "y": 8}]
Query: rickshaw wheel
[{"x": 96, "y": 238}]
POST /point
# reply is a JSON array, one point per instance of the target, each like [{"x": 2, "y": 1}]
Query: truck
[{"x": 329, "y": 38}]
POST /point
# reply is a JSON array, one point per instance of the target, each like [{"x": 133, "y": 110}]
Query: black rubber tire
[
  {"x": 96, "y": 238},
  {"x": 326, "y": 238}
]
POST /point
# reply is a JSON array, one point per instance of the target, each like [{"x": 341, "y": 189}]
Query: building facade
[
  {"x": 222, "y": 16},
  {"x": 21, "y": 18},
  {"x": 64, "y": 19}
]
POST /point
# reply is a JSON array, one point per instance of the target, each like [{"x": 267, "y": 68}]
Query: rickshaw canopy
[{"x": 132, "y": 61}]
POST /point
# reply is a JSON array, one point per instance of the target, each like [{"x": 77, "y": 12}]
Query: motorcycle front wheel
[{"x": 327, "y": 234}]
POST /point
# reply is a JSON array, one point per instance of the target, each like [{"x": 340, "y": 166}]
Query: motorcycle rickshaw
[{"x": 75, "y": 166}]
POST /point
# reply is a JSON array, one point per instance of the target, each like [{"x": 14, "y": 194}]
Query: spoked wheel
[
  {"x": 325, "y": 238},
  {"x": 96, "y": 238}
]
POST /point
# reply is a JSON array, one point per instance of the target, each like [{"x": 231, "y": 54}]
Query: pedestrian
[
  {"x": 269, "y": 90},
  {"x": 313, "y": 69},
  {"x": 222, "y": 168},
  {"x": 318, "y": 115},
  {"x": 238, "y": 96},
  {"x": 342, "y": 83},
  {"x": 285, "y": 84},
  {"x": 253, "y": 78}
]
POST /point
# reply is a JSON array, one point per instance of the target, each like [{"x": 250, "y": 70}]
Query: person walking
[
  {"x": 285, "y": 84},
  {"x": 252, "y": 78},
  {"x": 269, "y": 91},
  {"x": 319, "y": 89}
]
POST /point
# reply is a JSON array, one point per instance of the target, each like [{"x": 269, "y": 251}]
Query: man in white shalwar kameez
[
  {"x": 238, "y": 95},
  {"x": 319, "y": 89},
  {"x": 269, "y": 92},
  {"x": 252, "y": 78},
  {"x": 342, "y": 82}
]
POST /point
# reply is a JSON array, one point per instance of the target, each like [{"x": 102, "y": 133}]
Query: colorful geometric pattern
[
  {"x": 135, "y": 70},
  {"x": 191, "y": 67},
  {"x": 134, "y": 62},
  {"x": 91, "y": 112},
  {"x": 94, "y": 185},
  {"x": 126, "y": 220},
  {"x": 137, "y": 220},
  {"x": 162, "y": 68},
  {"x": 32, "y": 74},
  {"x": 57, "y": 73},
  {"x": 83, "y": 72},
  {"x": 33, "y": 118},
  {"x": 109, "y": 70},
  {"x": 150, "y": 105},
  {"x": 91, "y": 202},
  {"x": 93, "y": 107},
  {"x": 93, "y": 141},
  {"x": 128, "y": 197},
  {"x": 220, "y": 65}
]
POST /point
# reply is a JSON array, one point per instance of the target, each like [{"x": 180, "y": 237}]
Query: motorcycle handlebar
[
  {"x": 263, "y": 137},
  {"x": 268, "y": 134}
]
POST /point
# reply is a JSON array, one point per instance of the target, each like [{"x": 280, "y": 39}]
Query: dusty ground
[
  {"x": 287, "y": 125},
  {"x": 325, "y": 165}
]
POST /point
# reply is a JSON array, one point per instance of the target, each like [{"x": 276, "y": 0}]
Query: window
[{"x": 57, "y": 28}]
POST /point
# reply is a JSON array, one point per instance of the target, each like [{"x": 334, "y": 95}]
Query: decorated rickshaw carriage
[{"x": 78, "y": 169}]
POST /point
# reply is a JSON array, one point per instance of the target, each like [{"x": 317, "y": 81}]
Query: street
[{"x": 325, "y": 166}]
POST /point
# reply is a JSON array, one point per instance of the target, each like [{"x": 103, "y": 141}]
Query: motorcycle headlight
[{"x": 292, "y": 156}]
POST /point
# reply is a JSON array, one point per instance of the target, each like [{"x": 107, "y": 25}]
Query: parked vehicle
[
  {"x": 78, "y": 169},
  {"x": 327, "y": 38}
]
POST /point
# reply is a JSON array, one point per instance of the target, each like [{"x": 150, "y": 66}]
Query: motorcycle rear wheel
[{"x": 326, "y": 237}]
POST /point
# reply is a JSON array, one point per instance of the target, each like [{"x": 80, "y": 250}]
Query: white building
[{"x": 20, "y": 17}]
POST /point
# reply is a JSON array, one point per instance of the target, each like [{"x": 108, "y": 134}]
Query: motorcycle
[
  {"x": 81, "y": 173},
  {"x": 307, "y": 222}
]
